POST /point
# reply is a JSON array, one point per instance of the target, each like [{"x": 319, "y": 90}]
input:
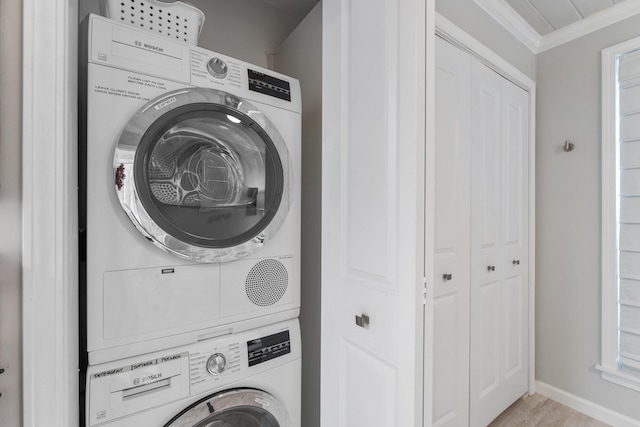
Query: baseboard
[{"x": 587, "y": 407}]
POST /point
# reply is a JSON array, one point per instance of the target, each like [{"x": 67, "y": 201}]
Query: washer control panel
[
  {"x": 127, "y": 386},
  {"x": 217, "y": 68},
  {"x": 266, "y": 348},
  {"x": 223, "y": 359},
  {"x": 216, "y": 363}
]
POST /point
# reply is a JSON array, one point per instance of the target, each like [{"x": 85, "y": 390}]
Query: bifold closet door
[
  {"x": 499, "y": 233},
  {"x": 452, "y": 204}
]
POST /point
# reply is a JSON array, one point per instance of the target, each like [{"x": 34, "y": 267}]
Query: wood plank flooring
[{"x": 540, "y": 411}]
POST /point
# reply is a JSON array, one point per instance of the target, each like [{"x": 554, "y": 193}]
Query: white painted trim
[
  {"x": 587, "y": 407},
  {"x": 452, "y": 33},
  {"x": 504, "y": 15},
  {"x": 618, "y": 376},
  {"x": 590, "y": 24},
  {"x": 532, "y": 238},
  {"x": 429, "y": 210},
  {"x": 50, "y": 265},
  {"x": 609, "y": 347},
  {"x": 609, "y": 367}
]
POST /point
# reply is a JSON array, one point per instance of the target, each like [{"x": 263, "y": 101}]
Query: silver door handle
[{"x": 362, "y": 321}]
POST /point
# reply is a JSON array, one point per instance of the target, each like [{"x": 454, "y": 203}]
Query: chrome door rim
[
  {"x": 203, "y": 410},
  {"x": 128, "y": 193}
]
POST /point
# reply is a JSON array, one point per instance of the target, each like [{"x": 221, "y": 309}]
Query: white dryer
[
  {"x": 189, "y": 192},
  {"x": 250, "y": 379}
]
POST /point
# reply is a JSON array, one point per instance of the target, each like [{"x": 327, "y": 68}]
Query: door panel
[
  {"x": 368, "y": 197},
  {"x": 481, "y": 222},
  {"x": 372, "y": 137},
  {"x": 451, "y": 293},
  {"x": 514, "y": 328},
  {"x": 486, "y": 210},
  {"x": 373, "y": 381},
  {"x": 450, "y": 397},
  {"x": 499, "y": 317},
  {"x": 485, "y": 366},
  {"x": 515, "y": 242}
]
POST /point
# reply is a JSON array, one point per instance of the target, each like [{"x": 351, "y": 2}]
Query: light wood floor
[{"x": 540, "y": 411}]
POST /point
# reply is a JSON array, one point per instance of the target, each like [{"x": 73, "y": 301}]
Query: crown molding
[
  {"x": 504, "y": 14},
  {"x": 590, "y": 24}
]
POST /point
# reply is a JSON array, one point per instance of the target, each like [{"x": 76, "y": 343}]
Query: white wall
[
  {"x": 568, "y": 219},
  {"x": 245, "y": 29},
  {"x": 476, "y": 22},
  {"x": 300, "y": 56},
  {"x": 249, "y": 30},
  {"x": 10, "y": 212}
]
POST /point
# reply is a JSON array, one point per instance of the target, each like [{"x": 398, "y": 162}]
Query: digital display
[
  {"x": 269, "y": 85},
  {"x": 269, "y": 347}
]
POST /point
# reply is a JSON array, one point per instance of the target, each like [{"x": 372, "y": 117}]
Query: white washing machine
[
  {"x": 249, "y": 379},
  {"x": 189, "y": 192}
]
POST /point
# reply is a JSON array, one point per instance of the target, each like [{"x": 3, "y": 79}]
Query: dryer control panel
[
  {"x": 122, "y": 46},
  {"x": 256, "y": 84}
]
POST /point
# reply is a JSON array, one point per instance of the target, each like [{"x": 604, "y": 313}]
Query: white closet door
[
  {"x": 373, "y": 132},
  {"x": 498, "y": 288},
  {"x": 515, "y": 242},
  {"x": 452, "y": 204}
]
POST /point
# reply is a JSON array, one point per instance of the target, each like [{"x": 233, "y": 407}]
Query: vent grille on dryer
[
  {"x": 177, "y": 21},
  {"x": 267, "y": 282}
]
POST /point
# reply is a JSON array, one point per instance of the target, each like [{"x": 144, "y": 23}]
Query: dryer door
[
  {"x": 203, "y": 174},
  {"x": 234, "y": 408}
]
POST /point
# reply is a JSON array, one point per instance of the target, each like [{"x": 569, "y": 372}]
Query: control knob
[
  {"x": 217, "y": 68},
  {"x": 216, "y": 364}
]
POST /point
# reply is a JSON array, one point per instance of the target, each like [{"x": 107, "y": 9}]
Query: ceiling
[
  {"x": 546, "y": 16},
  {"x": 539, "y": 24},
  {"x": 543, "y": 24}
]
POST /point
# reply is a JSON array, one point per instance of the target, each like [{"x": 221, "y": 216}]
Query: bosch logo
[
  {"x": 152, "y": 47},
  {"x": 152, "y": 378},
  {"x": 138, "y": 43},
  {"x": 136, "y": 381}
]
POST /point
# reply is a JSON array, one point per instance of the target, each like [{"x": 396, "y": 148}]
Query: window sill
[{"x": 620, "y": 376}]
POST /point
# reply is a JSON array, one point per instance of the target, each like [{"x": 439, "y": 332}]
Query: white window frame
[{"x": 609, "y": 367}]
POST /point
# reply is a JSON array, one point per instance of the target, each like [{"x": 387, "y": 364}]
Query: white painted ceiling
[{"x": 547, "y": 16}]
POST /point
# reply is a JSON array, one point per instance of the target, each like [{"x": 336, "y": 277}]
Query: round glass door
[
  {"x": 204, "y": 180},
  {"x": 234, "y": 408}
]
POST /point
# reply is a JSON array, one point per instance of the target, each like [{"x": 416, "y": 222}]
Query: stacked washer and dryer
[{"x": 190, "y": 229}]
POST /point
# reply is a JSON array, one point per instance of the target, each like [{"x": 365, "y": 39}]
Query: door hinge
[{"x": 424, "y": 291}]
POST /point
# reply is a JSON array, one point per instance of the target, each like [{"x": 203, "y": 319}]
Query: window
[{"x": 621, "y": 214}]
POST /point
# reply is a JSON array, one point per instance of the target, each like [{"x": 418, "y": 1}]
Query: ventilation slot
[
  {"x": 177, "y": 21},
  {"x": 267, "y": 282}
]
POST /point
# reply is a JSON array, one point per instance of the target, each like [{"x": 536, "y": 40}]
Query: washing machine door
[
  {"x": 203, "y": 174},
  {"x": 234, "y": 408}
]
